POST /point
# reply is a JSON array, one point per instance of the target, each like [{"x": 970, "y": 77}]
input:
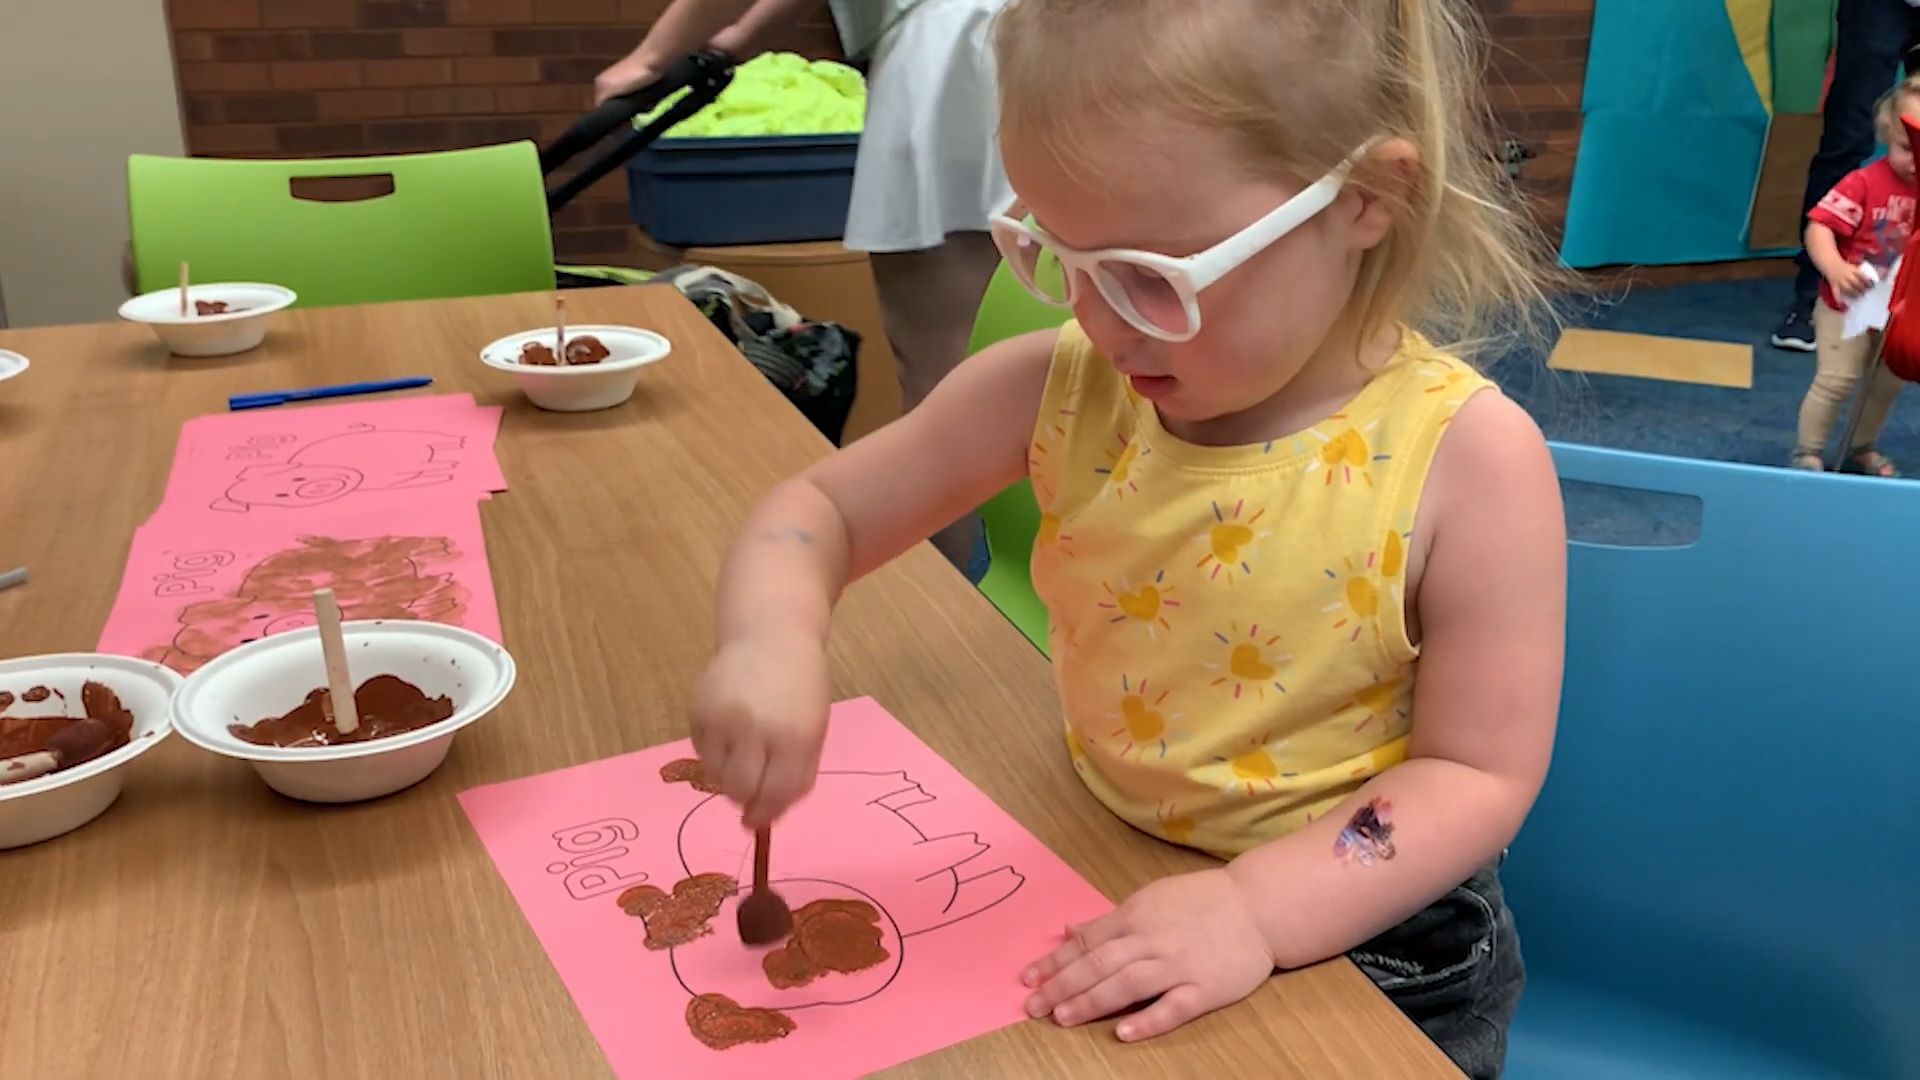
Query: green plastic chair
[
  {"x": 1011, "y": 519},
  {"x": 459, "y": 223}
]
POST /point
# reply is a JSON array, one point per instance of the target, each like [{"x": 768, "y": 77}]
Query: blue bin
[{"x": 767, "y": 190}]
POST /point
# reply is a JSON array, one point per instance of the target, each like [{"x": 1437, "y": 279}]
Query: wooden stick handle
[
  {"x": 183, "y": 288},
  {"x": 560, "y": 329},
  {"x": 333, "y": 646},
  {"x": 26, "y": 767},
  {"x": 762, "y": 854}
]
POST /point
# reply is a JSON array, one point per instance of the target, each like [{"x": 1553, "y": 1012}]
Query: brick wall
[
  {"x": 328, "y": 78},
  {"x": 304, "y": 78},
  {"x": 1539, "y": 66}
]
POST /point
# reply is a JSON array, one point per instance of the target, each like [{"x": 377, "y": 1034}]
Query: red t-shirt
[{"x": 1871, "y": 212}]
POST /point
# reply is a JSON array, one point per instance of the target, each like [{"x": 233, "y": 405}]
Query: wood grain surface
[{"x": 207, "y": 928}]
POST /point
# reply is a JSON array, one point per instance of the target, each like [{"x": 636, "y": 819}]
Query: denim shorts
[{"x": 1455, "y": 969}]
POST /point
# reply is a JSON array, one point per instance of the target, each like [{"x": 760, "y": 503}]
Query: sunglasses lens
[{"x": 1155, "y": 301}]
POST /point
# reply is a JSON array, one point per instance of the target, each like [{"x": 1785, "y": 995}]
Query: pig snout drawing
[{"x": 364, "y": 459}]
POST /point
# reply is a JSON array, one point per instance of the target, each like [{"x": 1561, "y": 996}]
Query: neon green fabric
[
  {"x": 461, "y": 223},
  {"x": 1011, "y": 519},
  {"x": 778, "y": 94},
  {"x": 619, "y": 275}
]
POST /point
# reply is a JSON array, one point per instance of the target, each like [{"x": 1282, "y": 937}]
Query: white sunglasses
[{"x": 1158, "y": 295}]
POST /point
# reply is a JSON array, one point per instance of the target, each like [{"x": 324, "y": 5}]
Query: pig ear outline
[{"x": 229, "y": 506}]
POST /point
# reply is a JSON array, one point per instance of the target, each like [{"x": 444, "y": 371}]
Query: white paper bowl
[
  {"x": 210, "y": 335},
  {"x": 272, "y": 676},
  {"x": 584, "y": 387},
  {"x": 61, "y": 802},
  {"x": 11, "y": 364}
]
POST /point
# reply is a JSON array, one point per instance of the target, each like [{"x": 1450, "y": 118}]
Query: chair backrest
[
  {"x": 1011, "y": 519},
  {"x": 1726, "y": 833},
  {"x": 459, "y": 223},
  {"x": 1009, "y": 310}
]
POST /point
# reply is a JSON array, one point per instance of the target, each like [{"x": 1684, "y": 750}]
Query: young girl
[
  {"x": 1305, "y": 569},
  {"x": 1864, "y": 220}
]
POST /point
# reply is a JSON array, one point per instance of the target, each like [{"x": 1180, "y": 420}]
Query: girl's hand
[
  {"x": 1850, "y": 282},
  {"x": 1188, "y": 940},
  {"x": 759, "y": 716}
]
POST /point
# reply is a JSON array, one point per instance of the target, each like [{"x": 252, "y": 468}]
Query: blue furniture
[{"x": 1722, "y": 877}]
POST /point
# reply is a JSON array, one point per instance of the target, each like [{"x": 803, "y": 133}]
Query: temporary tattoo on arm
[{"x": 1368, "y": 837}]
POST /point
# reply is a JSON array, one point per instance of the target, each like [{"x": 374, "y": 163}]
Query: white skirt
[{"x": 929, "y": 164}]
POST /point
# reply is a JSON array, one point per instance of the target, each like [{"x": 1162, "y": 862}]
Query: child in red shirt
[{"x": 1864, "y": 220}]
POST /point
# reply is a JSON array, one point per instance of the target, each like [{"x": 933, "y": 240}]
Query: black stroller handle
[{"x": 703, "y": 74}]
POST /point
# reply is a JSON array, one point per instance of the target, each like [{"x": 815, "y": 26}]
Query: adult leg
[
  {"x": 1870, "y": 39},
  {"x": 928, "y": 300}
]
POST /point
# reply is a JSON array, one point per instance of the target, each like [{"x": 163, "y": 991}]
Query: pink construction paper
[
  {"x": 199, "y": 583},
  {"x": 966, "y": 899},
  {"x": 320, "y": 461}
]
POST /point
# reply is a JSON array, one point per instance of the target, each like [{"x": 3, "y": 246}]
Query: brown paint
[
  {"x": 215, "y": 307},
  {"x": 377, "y": 578},
  {"x": 106, "y": 727},
  {"x": 828, "y": 936},
  {"x": 582, "y": 351},
  {"x": 388, "y": 706},
  {"x": 688, "y": 771},
  {"x": 6, "y": 700},
  {"x": 682, "y": 917},
  {"x": 586, "y": 349},
  {"x": 720, "y": 1022}
]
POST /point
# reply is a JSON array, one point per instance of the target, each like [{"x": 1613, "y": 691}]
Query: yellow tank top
[{"x": 1228, "y": 623}]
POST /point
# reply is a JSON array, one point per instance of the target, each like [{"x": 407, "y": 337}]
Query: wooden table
[{"x": 207, "y": 928}]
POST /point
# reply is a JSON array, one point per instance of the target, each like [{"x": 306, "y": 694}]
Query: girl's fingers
[
  {"x": 786, "y": 778},
  {"x": 1081, "y": 940},
  {"x": 1137, "y": 981},
  {"x": 740, "y": 775},
  {"x": 1180, "y": 1005},
  {"x": 1088, "y": 969}
]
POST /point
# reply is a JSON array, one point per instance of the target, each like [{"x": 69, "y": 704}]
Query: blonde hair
[
  {"x": 1886, "y": 111},
  {"x": 1297, "y": 85}
]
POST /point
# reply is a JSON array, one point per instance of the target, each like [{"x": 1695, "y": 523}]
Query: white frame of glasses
[{"x": 1187, "y": 275}]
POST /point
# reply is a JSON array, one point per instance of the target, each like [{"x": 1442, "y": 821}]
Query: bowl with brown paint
[
  {"x": 605, "y": 380},
  {"x": 221, "y": 319},
  {"x": 274, "y": 681},
  {"x": 37, "y": 689}
]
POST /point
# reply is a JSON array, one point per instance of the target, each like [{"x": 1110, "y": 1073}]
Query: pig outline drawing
[
  {"x": 384, "y": 577},
  {"x": 947, "y": 865},
  {"x": 410, "y": 460}
]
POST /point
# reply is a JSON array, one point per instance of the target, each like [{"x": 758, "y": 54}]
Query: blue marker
[{"x": 282, "y": 397}]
